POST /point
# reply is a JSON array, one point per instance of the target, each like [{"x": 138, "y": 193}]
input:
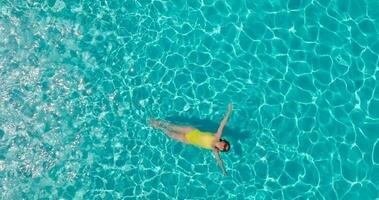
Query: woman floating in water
[{"x": 190, "y": 135}]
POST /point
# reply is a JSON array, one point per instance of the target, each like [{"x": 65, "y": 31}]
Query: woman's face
[{"x": 222, "y": 146}]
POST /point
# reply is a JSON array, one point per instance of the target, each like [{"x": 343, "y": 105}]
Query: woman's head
[{"x": 223, "y": 145}]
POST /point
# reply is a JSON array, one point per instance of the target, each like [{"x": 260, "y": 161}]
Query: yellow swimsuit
[{"x": 200, "y": 139}]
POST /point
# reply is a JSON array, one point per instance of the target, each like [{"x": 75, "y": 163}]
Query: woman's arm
[
  {"x": 219, "y": 161},
  {"x": 223, "y": 122}
]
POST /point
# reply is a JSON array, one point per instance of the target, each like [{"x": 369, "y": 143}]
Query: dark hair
[{"x": 228, "y": 148}]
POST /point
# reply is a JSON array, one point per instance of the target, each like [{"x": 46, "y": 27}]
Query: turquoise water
[{"x": 78, "y": 82}]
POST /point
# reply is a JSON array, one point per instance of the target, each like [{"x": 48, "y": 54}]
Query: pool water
[{"x": 79, "y": 79}]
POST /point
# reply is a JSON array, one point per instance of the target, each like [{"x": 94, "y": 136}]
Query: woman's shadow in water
[{"x": 233, "y": 135}]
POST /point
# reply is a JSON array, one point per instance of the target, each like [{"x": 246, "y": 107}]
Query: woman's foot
[{"x": 154, "y": 123}]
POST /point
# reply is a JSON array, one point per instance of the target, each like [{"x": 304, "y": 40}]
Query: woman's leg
[
  {"x": 175, "y": 135},
  {"x": 175, "y": 132},
  {"x": 165, "y": 125}
]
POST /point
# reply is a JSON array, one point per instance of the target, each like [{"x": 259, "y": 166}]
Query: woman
[{"x": 190, "y": 135}]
